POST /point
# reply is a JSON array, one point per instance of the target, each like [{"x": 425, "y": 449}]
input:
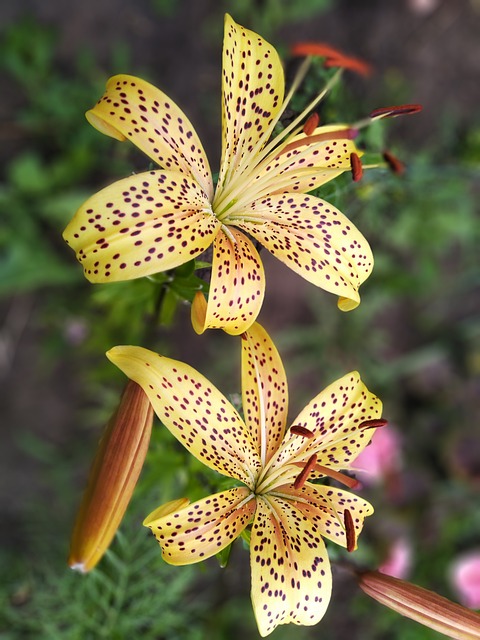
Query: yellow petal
[
  {"x": 204, "y": 528},
  {"x": 196, "y": 413},
  {"x": 112, "y": 479},
  {"x": 264, "y": 391},
  {"x": 141, "y": 225},
  {"x": 252, "y": 87},
  {"x": 325, "y": 506},
  {"x": 314, "y": 239},
  {"x": 291, "y": 577},
  {"x": 134, "y": 109},
  {"x": 237, "y": 286},
  {"x": 300, "y": 168},
  {"x": 333, "y": 416}
]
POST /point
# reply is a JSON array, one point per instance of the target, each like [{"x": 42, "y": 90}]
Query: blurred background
[{"x": 415, "y": 338}]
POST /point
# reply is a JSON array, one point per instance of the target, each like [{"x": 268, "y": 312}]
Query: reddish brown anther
[
  {"x": 373, "y": 424},
  {"x": 305, "y": 472},
  {"x": 347, "y": 62},
  {"x": 394, "y": 164},
  {"x": 356, "y": 167},
  {"x": 397, "y": 110},
  {"x": 311, "y": 124},
  {"x": 349, "y": 531},
  {"x": 334, "y": 57},
  {"x": 298, "y": 430}
]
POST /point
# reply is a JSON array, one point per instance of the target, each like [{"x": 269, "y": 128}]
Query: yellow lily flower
[
  {"x": 289, "y": 515},
  {"x": 158, "y": 220}
]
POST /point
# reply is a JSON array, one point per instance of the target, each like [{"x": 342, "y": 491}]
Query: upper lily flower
[
  {"x": 289, "y": 515},
  {"x": 158, "y": 220}
]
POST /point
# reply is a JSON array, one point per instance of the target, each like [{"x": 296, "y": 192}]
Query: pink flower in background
[
  {"x": 465, "y": 577},
  {"x": 382, "y": 458},
  {"x": 399, "y": 559}
]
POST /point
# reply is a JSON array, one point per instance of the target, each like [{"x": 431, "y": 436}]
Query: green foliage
[
  {"x": 267, "y": 16},
  {"x": 132, "y": 593}
]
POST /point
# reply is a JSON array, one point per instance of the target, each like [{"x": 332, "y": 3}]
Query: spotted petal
[
  {"x": 264, "y": 391},
  {"x": 306, "y": 162},
  {"x": 237, "y": 286},
  {"x": 315, "y": 240},
  {"x": 325, "y": 506},
  {"x": 333, "y": 417},
  {"x": 197, "y": 414},
  {"x": 291, "y": 577},
  {"x": 252, "y": 87},
  {"x": 203, "y": 528},
  {"x": 134, "y": 109},
  {"x": 141, "y": 225}
]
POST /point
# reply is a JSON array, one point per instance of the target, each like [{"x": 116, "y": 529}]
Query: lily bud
[
  {"x": 113, "y": 476},
  {"x": 421, "y": 605}
]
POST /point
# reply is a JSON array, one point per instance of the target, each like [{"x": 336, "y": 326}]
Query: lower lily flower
[
  {"x": 157, "y": 220},
  {"x": 289, "y": 514}
]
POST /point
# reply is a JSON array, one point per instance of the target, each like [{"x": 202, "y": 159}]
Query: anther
[
  {"x": 394, "y": 164},
  {"x": 349, "y": 530},
  {"x": 311, "y": 124},
  {"x": 356, "y": 167},
  {"x": 305, "y": 472},
  {"x": 334, "y": 57},
  {"x": 298, "y": 430},
  {"x": 349, "y": 63},
  {"x": 397, "y": 110},
  {"x": 375, "y": 423}
]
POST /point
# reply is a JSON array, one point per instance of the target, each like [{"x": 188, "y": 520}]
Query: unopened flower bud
[
  {"x": 113, "y": 476},
  {"x": 421, "y": 605}
]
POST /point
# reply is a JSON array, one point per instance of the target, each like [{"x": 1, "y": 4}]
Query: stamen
[
  {"x": 347, "y": 62},
  {"x": 398, "y": 110},
  {"x": 298, "y": 430},
  {"x": 375, "y": 423},
  {"x": 394, "y": 164},
  {"x": 311, "y": 124},
  {"x": 349, "y": 530},
  {"x": 356, "y": 166},
  {"x": 351, "y": 483},
  {"x": 341, "y": 134},
  {"x": 334, "y": 57},
  {"x": 305, "y": 472}
]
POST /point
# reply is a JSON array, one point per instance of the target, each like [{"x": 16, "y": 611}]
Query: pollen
[
  {"x": 303, "y": 475},
  {"x": 356, "y": 165},
  {"x": 349, "y": 530}
]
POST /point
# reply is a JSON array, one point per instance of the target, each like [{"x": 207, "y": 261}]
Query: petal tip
[{"x": 348, "y": 304}]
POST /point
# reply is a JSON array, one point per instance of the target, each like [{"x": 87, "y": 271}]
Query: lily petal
[
  {"x": 307, "y": 162},
  {"x": 237, "y": 286},
  {"x": 291, "y": 576},
  {"x": 195, "y": 412},
  {"x": 315, "y": 240},
  {"x": 141, "y": 225},
  {"x": 134, "y": 109},
  {"x": 325, "y": 506},
  {"x": 264, "y": 391},
  {"x": 333, "y": 416},
  {"x": 203, "y": 528},
  {"x": 253, "y": 89}
]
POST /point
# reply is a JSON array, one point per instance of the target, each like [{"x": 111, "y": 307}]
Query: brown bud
[
  {"x": 421, "y": 605},
  {"x": 113, "y": 476}
]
